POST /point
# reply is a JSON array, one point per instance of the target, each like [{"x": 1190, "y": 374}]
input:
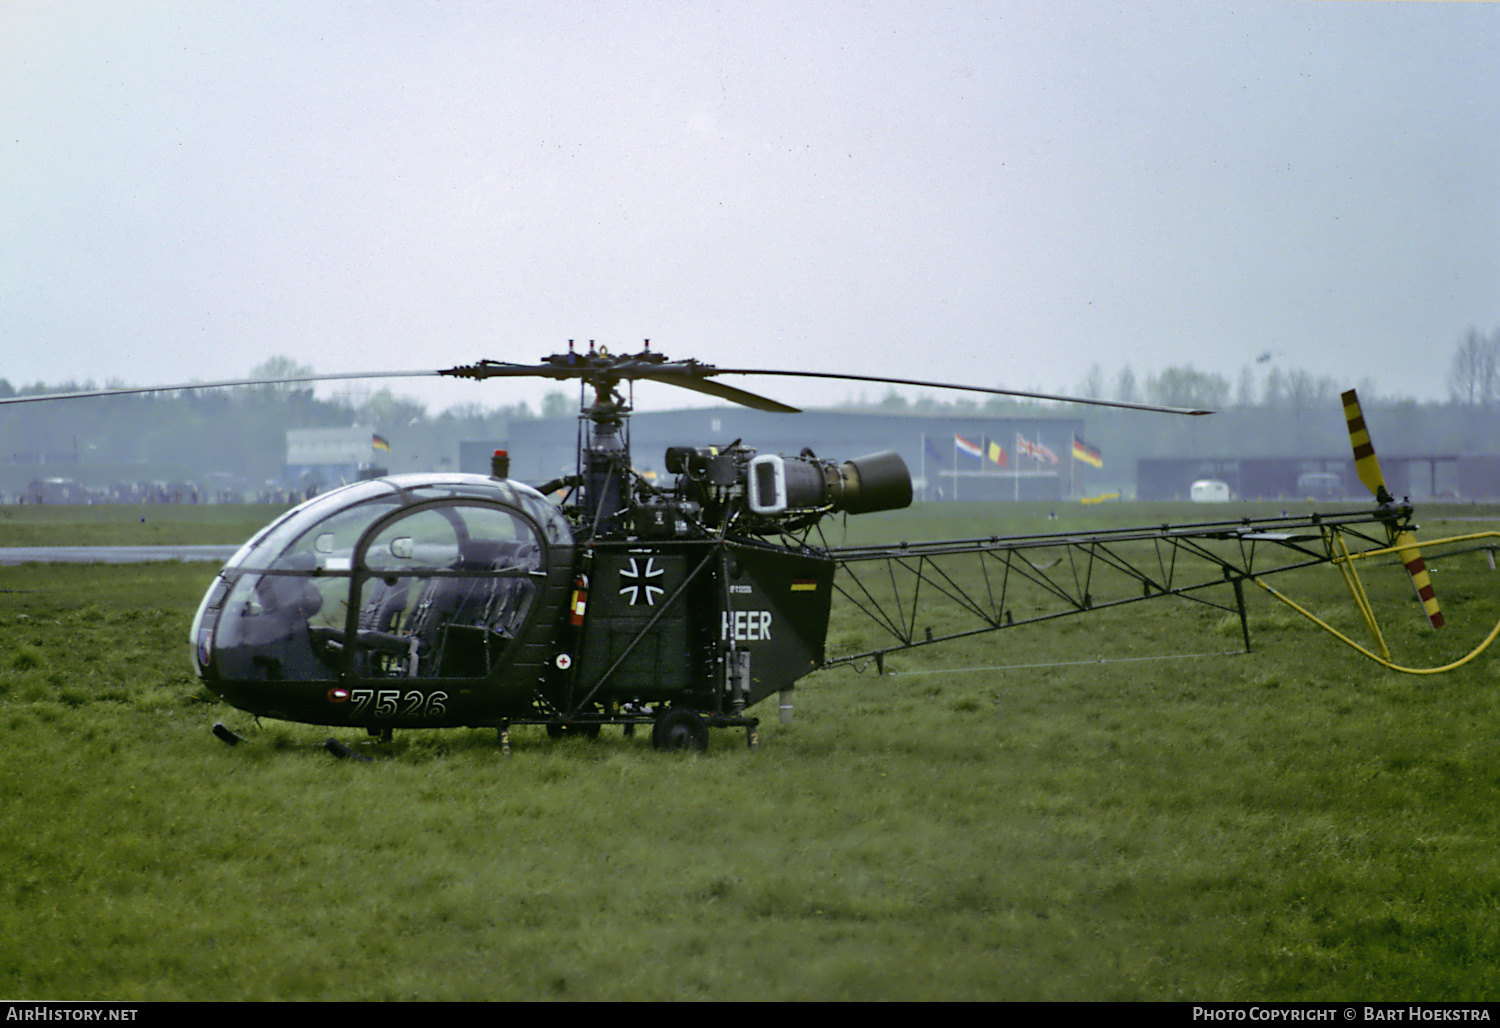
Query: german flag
[
  {"x": 378, "y": 442},
  {"x": 1086, "y": 453}
]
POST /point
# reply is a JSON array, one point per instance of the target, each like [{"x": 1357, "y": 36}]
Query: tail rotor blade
[
  {"x": 1365, "y": 463},
  {"x": 1406, "y": 546},
  {"x": 1367, "y": 466}
]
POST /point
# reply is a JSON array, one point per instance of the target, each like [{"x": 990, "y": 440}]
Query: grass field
[
  {"x": 124, "y": 524},
  {"x": 1037, "y": 814}
]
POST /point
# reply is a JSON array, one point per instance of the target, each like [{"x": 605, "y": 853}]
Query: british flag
[{"x": 1036, "y": 451}]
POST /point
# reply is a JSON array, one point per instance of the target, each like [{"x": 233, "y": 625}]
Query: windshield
[{"x": 410, "y": 577}]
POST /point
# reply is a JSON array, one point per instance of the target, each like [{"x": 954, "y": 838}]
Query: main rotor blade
[
  {"x": 684, "y": 374},
  {"x": 964, "y": 388},
  {"x": 725, "y": 392},
  {"x": 134, "y": 390}
]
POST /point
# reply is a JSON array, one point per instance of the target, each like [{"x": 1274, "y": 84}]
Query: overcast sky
[{"x": 995, "y": 193}]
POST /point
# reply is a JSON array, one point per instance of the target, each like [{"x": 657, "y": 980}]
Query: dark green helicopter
[
  {"x": 448, "y": 600},
  {"x": 440, "y": 600}
]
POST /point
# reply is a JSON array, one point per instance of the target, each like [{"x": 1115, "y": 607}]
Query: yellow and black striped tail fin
[{"x": 1367, "y": 466}]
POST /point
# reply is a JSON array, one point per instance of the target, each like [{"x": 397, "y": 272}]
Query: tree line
[
  {"x": 243, "y": 428},
  {"x": 1473, "y": 381},
  {"x": 1474, "y": 373}
]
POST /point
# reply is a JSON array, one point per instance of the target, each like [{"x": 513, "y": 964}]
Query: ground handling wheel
[{"x": 680, "y": 729}]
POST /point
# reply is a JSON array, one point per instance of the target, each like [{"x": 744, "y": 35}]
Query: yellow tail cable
[{"x": 1380, "y": 660}]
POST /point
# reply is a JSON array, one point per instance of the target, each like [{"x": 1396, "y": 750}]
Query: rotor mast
[{"x": 604, "y": 457}]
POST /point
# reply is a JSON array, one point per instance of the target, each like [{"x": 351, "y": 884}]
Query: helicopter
[{"x": 449, "y": 600}]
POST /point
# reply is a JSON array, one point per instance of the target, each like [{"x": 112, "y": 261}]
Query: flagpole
[
  {"x": 1017, "y": 479},
  {"x": 926, "y": 486},
  {"x": 1040, "y": 442}
]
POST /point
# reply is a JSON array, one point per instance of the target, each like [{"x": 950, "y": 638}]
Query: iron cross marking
[{"x": 641, "y": 586}]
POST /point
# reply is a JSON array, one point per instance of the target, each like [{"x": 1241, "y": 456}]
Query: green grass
[
  {"x": 1291, "y": 824},
  {"x": 126, "y": 524}
]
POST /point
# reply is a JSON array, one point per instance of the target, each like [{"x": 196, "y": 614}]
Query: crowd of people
[{"x": 67, "y": 491}]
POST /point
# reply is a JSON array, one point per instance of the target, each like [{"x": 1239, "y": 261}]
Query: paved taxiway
[{"x": 112, "y": 554}]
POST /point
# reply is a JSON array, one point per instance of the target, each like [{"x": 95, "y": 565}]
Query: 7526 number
[{"x": 392, "y": 702}]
